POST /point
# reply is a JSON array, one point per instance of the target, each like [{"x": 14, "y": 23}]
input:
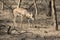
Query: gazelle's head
[{"x": 30, "y": 16}]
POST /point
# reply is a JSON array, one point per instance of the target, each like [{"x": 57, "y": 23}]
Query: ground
[{"x": 41, "y": 33}]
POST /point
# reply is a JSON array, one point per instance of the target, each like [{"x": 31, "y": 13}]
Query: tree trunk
[
  {"x": 3, "y": 5},
  {"x": 19, "y": 4},
  {"x": 54, "y": 14},
  {"x": 35, "y": 8}
]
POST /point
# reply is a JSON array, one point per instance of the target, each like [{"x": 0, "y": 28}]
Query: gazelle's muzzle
[{"x": 32, "y": 18}]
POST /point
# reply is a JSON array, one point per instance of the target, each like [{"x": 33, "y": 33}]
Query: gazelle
[{"x": 23, "y": 12}]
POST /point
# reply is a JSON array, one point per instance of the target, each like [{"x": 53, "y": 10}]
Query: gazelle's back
[
  {"x": 23, "y": 12},
  {"x": 20, "y": 10}
]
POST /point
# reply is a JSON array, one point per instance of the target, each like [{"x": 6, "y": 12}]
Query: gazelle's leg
[
  {"x": 21, "y": 21},
  {"x": 14, "y": 20},
  {"x": 29, "y": 22}
]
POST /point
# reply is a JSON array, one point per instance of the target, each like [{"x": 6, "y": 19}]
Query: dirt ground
[{"x": 27, "y": 33}]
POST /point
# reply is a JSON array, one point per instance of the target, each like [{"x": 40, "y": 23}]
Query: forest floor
[{"x": 33, "y": 34}]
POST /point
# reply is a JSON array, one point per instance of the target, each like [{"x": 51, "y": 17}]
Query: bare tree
[
  {"x": 35, "y": 8},
  {"x": 2, "y": 4},
  {"x": 19, "y": 2},
  {"x": 54, "y": 14}
]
